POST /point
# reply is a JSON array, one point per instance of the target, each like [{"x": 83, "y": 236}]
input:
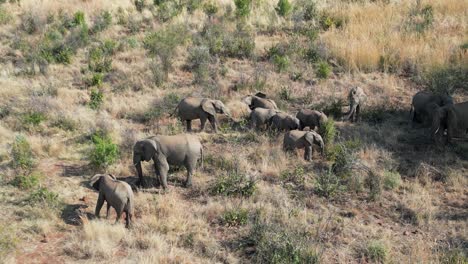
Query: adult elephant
[
  {"x": 311, "y": 118},
  {"x": 168, "y": 150},
  {"x": 424, "y": 105},
  {"x": 283, "y": 121},
  {"x": 192, "y": 108},
  {"x": 297, "y": 139},
  {"x": 356, "y": 98},
  {"x": 260, "y": 116},
  {"x": 454, "y": 118},
  {"x": 259, "y": 100}
]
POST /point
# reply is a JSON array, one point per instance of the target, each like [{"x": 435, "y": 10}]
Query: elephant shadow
[{"x": 73, "y": 214}]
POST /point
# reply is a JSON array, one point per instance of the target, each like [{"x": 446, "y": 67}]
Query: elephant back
[{"x": 189, "y": 108}]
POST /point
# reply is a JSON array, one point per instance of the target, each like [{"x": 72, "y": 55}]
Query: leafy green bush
[
  {"x": 169, "y": 9},
  {"x": 33, "y": 118},
  {"x": 44, "y": 196},
  {"x": 79, "y": 19},
  {"x": 283, "y": 8},
  {"x": 96, "y": 99},
  {"x": 311, "y": 55},
  {"x": 281, "y": 62},
  {"x": 327, "y": 184},
  {"x": 104, "y": 151},
  {"x": 210, "y": 9},
  {"x": 297, "y": 176},
  {"x": 240, "y": 44},
  {"x": 376, "y": 252},
  {"x": 199, "y": 61},
  {"x": 100, "y": 58},
  {"x": 21, "y": 154},
  {"x": 285, "y": 93},
  {"x": 234, "y": 184},
  {"x": 162, "y": 44},
  {"x": 95, "y": 80},
  {"x": 235, "y": 217},
  {"x": 391, "y": 180},
  {"x": 26, "y": 182},
  {"x": 310, "y": 11},
  {"x": 103, "y": 21},
  {"x": 332, "y": 107},
  {"x": 328, "y": 132},
  {"x": 243, "y": 7},
  {"x": 65, "y": 123},
  {"x": 374, "y": 183},
  {"x": 276, "y": 244},
  {"x": 5, "y": 17},
  {"x": 421, "y": 18},
  {"x": 140, "y": 5},
  {"x": 447, "y": 79},
  {"x": 343, "y": 155},
  {"x": 323, "y": 70}
]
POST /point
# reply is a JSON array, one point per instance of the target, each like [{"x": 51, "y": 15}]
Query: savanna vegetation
[{"x": 82, "y": 81}]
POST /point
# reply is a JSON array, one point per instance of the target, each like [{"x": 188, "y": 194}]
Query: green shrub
[
  {"x": 140, "y": 5},
  {"x": 8, "y": 239},
  {"x": 44, "y": 196},
  {"x": 297, "y": 176},
  {"x": 103, "y": 21},
  {"x": 285, "y": 93},
  {"x": 193, "y": 5},
  {"x": 26, "y": 182},
  {"x": 29, "y": 24},
  {"x": 162, "y": 44},
  {"x": 79, "y": 19},
  {"x": 310, "y": 11},
  {"x": 276, "y": 244},
  {"x": 235, "y": 217},
  {"x": 447, "y": 79},
  {"x": 169, "y": 9},
  {"x": 5, "y": 17},
  {"x": 323, "y": 70},
  {"x": 33, "y": 118},
  {"x": 21, "y": 154},
  {"x": 454, "y": 256},
  {"x": 199, "y": 62},
  {"x": 327, "y": 184},
  {"x": 55, "y": 52},
  {"x": 391, "y": 180},
  {"x": 376, "y": 252},
  {"x": 96, "y": 99},
  {"x": 166, "y": 105},
  {"x": 343, "y": 156},
  {"x": 333, "y": 107},
  {"x": 104, "y": 151},
  {"x": 243, "y": 7},
  {"x": 281, "y": 62},
  {"x": 328, "y": 132},
  {"x": 234, "y": 184},
  {"x": 65, "y": 123},
  {"x": 210, "y": 9},
  {"x": 374, "y": 183},
  {"x": 157, "y": 72},
  {"x": 311, "y": 55},
  {"x": 283, "y": 8},
  {"x": 240, "y": 44},
  {"x": 421, "y": 19},
  {"x": 95, "y": 80},
  {"x": 99, "y": 58}
]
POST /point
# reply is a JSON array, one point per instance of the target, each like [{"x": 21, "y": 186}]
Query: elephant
[
  {"x": 192, "y": 108},
  {"x": 297, "y": 139},
  {"x": 283, "y": 121},
  {"x": 117, "y": 194},
  {"x": 311, "y": 118},
  {"x": 453, "y": 117},
  {"x": 356, "y": 99},
  {"x": 260, "y": 116},
  {"x": 183, "y": 149},
  {"x": 259, "y": 100},
  {"x": 424, "y": 105}
]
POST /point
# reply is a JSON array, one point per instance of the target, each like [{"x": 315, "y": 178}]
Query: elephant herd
[{"x": 300, "y": 133}]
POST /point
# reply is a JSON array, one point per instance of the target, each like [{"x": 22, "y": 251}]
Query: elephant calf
[
  {"x": 283, "y": 121},
  {"x": 183, "y": 149},
  {"x": 192, "y": 108},
  {"x": 356, "y": 98},
  {"x": 259, "y": 100},
  {"x": 117, "y": 194},
  {"x": 454, "y": 118},
  {"x": 311, "y": 118},
  {"x": 425, "y": 104},
  {"x": 296, "y": 139},
  {"x": 260, "y": 116}
]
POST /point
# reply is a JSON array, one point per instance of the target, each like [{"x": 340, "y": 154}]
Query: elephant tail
[
  {"x": 412, "y": 113},
  {"x": 175, "y": 111},
  {"x": 201, "y": 160}
]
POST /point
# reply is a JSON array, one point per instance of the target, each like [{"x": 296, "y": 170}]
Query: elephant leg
[
  {"x": 127, "y": 218},
  {"x": 189, "y": 125},
  {"x": 163, "y": 168},
  {"x": 190, "y": 165},
  {"x": 308, "y": 153},
  {"x": 358, "y": 113},
  {"x": 202, "y": 122},
  {"x": 107, "y": 211},
  {"x": 140, "y": 174},
  {"x": 100, "y": 203},
  {"x": 213, "y": 123}
]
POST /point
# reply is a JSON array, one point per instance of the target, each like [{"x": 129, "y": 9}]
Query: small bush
[
  {"x": 328, "y": 132},
  {"x": 243, "y": 7},
  {"x": 199, "y": 61},
  {"x": 65, "y": 123},
  {"x": 104, "y": 151},
  {"x": 323, "y": 70},
  {"x": 447, "y": 79},
  {"x": 327, "y": 184},
  {"x": 44, "y": 196},
  {"x": 343, "y": 156},
  {"x": 281, "y": 62},
  {"x": 103, "y": 21},
  {"x": 5, "y": 17},
  {"x": 285, "y": 93},
  {"x": 79, "y": 19},
  {"x": 374, "y": 183},
  {"x": 235, "y": 217},
  {"x": 391, "y": 180},
  {"x": 240, "y": 44},
  {"x": 95, "y": 80},
  {"x": 421, "y": 19},
  {"x": 96, "y": 99},
  {"x": 210, "y": 9},
  {"x": 376, "y": 252},
  {"x": 297, "y": 176},
  {"x": 311, "y": 55},
  {"x": 283, "y": 8},
  {"x": 157, "y": 72},
  {"x": 99, "y": 58},
  {"x": 140, "y": 5},
  {"x": 310, "y": 11},
  {"x": 8, "y": 239},
  {"x": 276, "y": 244},
  {"x": 21, "y": 154},
  {"x": 234, "y": 184},
  {"x": 26, "y": 182},
  {"x": 33, "y": 118}
]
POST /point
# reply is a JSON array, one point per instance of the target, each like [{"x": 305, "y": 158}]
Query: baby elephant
[
  {"x": 283, "y": 121},
  {"x": 260, "y": 116},
  {"x": 311, "y": 118},
  {"x": 296, "y": 139},
  {"x": 117, "y": 194}
]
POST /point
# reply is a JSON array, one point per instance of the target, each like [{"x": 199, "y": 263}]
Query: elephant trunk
[
  {"x": 352, "y": 109},
  {"x": 140, "y": 172}
]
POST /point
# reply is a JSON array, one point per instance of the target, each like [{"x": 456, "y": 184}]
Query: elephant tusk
[{"x": 437, "y": 130}]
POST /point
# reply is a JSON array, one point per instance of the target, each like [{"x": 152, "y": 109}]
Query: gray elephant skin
[
  {"x": 182, "y": 149},
  {"x": 297, "y": 139},
  {"x": 256, "y": 101},
  {"x": 192, "y": 108},
  {"x": 356, "y": 98},
  {"x": 311, "y": 118},
  {"x": 260, "y": 116},
  {"x": 425, "y": 104},
  {"x": 117, "y": 194},
  {"x": 282, "y": 121},
  {"x": 454, "y": 118}
]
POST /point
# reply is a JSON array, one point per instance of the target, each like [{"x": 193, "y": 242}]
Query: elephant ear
[
  {"x": 309, "y": 137},
  {"x": 95, "y": 181},
  {"x": 247, "y": 100},
  {"x": 149, "y": 148},
  {"x": 208, "y": 106},
  {"x": 112, "y": 176},
  {"x": 261, "y": 95}
]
